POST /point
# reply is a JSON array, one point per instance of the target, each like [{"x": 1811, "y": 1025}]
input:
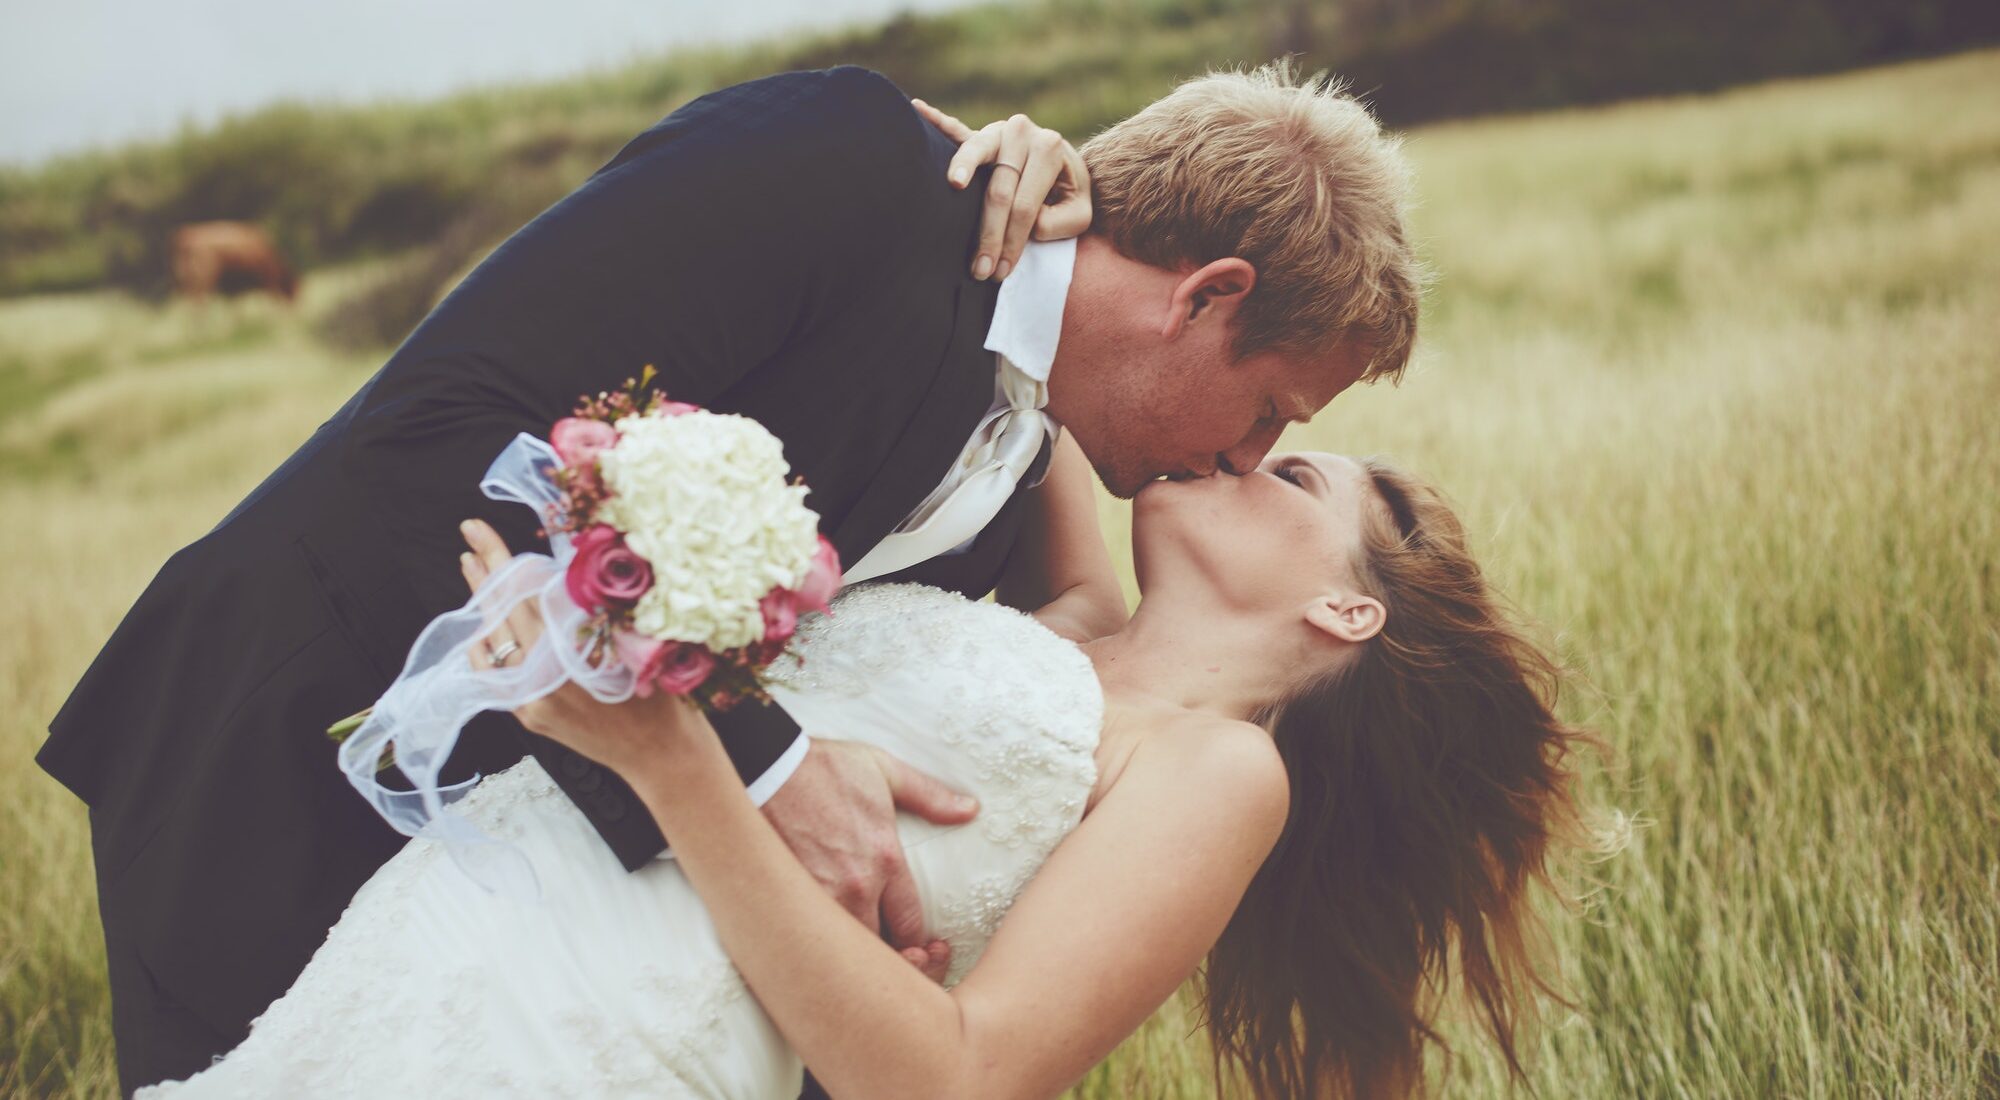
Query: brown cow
[{"x": 231, "y": 257}]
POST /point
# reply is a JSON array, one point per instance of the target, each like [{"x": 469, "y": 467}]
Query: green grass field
[{"x": 1714, "y": 382}]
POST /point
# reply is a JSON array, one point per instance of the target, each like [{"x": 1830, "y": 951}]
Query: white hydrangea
[{"x": 702, "y": 496}]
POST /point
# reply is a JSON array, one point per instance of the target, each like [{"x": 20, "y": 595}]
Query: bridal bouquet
[
  {"x": 681, "y": 555},
  {"x": 694, "y": 553}
]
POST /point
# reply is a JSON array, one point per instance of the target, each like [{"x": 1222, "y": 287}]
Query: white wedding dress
[{"x": 615, "y": 984}]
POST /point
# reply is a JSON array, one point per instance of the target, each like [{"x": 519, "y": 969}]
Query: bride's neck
[{"x": 1201, "y": 662}]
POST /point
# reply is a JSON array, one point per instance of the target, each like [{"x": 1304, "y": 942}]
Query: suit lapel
[{"x": 960, "y": 394}]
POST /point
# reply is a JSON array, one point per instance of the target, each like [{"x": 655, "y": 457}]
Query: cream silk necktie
[{"x": 1009, "y": 440}]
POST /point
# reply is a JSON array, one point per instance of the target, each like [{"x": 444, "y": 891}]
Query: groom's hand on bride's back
[{"x": 838, "y": 814}]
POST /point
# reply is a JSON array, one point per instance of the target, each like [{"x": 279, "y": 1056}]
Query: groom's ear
[
  {"x": 1212, "y": 292},
  {"x": 1348, "y": 618}
]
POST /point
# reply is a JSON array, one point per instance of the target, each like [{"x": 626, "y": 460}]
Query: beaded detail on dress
[{"x": 1017, "y": 707}]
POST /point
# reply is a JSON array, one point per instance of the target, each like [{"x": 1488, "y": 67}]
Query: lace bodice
[
  {"x": 616, "y": 984},
  {"x": 989, "y": 701}
]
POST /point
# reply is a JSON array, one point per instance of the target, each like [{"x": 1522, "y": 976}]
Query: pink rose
[
  {"x": 640, "y": 654},
  {"x": 673, "y": 667},
  {"x": 780, "y": 617},
  {"x": 677, "y": 408},
  {"x": 605, "y": 570},
  {"x": 682, "y": 667},
  {"x": 822, "y": 580},
  {"x": 578, "y": 441}
]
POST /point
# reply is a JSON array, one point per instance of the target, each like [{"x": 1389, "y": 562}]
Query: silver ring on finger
[
  {"x": 1004, "y": 164},
  {"x": 504, "y": 650}
]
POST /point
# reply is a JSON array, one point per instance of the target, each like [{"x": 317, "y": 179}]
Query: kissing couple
[{"x": 1318, "y": 769}]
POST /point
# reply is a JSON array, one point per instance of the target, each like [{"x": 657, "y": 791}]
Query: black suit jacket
[{"x": 787, "y": 249}]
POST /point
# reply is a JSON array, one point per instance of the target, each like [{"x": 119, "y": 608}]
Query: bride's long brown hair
[{"x": 1431, "y": 785}]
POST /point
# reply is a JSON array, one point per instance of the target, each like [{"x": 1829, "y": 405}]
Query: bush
[{"x": 384, "y": 314}]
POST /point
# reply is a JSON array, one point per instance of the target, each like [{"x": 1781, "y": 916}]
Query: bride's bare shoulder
[{"x": 1174, "y": 754}]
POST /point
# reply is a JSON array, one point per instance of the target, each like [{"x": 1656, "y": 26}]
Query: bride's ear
[{"x": 1348, "y": 618}]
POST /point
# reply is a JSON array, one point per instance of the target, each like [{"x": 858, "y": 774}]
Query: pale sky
[{"x": 77, "y": 73}]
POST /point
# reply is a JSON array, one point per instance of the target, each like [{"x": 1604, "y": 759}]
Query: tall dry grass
[{"x": 1713, "y": 381}]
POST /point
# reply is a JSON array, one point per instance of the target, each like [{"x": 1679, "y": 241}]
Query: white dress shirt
[{"x": 1027, "y": 323}]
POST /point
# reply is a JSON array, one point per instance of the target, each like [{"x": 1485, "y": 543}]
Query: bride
[{"x": 1318, "y": 770}]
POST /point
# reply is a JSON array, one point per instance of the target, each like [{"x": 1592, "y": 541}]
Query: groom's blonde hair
[{"x": 1295, "y": 176}]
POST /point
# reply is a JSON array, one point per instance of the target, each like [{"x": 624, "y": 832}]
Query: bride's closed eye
[{"x": 1290, "y": 472}]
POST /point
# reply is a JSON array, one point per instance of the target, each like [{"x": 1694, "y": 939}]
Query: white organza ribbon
[{"x": 421, "y": 715}]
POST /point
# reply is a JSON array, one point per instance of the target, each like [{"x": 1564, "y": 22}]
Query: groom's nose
[{"x": 1248, "y": 454}]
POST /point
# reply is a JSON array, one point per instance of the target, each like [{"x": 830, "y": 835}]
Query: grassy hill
[
  {"x": 336, "y": 184},
  {"x": 1712, "y": 379}
]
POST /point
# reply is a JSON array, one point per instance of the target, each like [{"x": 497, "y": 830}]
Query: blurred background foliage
[{"x": 452, "y": 176}]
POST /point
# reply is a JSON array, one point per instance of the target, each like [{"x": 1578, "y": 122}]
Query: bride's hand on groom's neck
[{"x": 1039, "y": 186}]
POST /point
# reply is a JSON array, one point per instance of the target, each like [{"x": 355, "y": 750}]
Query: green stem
[{"x": 340, "y": 730}]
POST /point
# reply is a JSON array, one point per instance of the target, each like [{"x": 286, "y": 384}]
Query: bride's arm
[
  {"x": 1115, "y": 921},
  {"x": 1059, "y": 569}
]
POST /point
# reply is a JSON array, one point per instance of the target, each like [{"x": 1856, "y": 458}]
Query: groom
[{"x": 785, "y": 249}]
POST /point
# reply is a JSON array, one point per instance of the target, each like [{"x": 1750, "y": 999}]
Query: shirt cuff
[
  {"x": 780, "y": 770},
  {"x": 774, "y": 777}
]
